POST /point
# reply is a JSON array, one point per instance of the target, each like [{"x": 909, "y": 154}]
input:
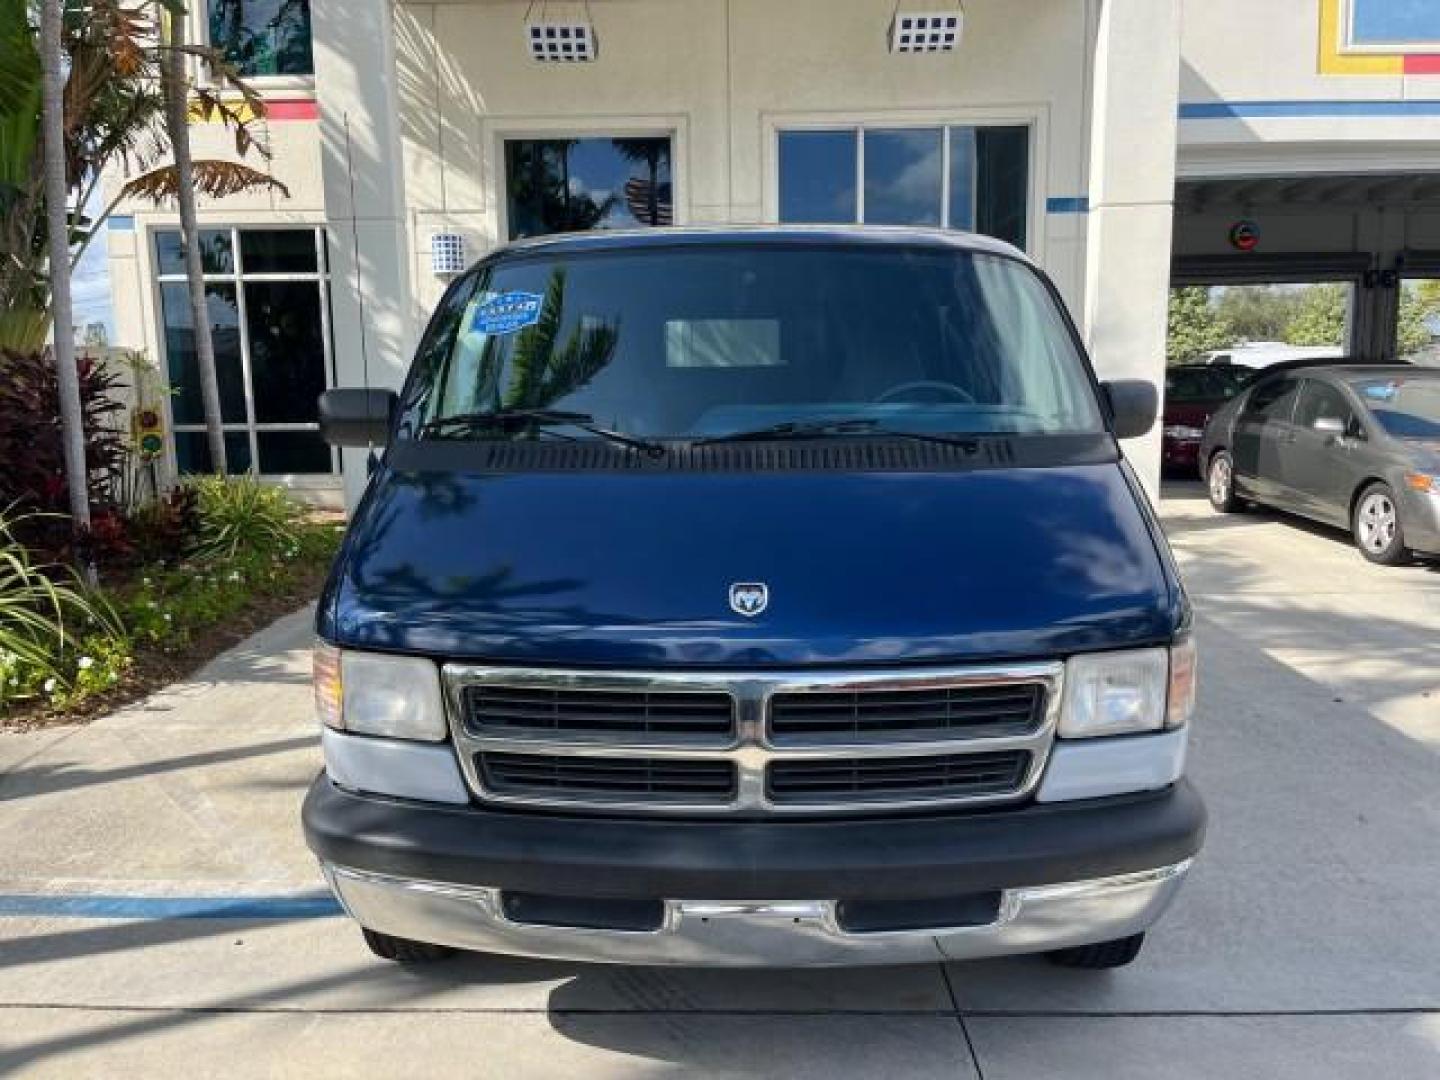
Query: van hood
[{"x": 600, "y": 568}]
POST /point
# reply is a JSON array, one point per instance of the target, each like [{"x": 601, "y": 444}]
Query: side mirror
[
  {"x": 1332, "y": 426},
  {"x": 357, "y": 417},
  {"x": 1134, "y": 404}
]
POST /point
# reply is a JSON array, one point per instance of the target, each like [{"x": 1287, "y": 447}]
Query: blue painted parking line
[{"x": 170, "y": 907}]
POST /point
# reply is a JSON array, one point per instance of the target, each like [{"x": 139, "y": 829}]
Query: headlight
[
  {"x": 397, "y": 697},
  {"x": 1184, "y": 433},
  {"x": 1123, "y": 693}
]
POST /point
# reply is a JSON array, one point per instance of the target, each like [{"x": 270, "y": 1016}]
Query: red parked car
[{"x": 1193, "y": 392}]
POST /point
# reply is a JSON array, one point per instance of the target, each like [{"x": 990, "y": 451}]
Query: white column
[
  {"x": 1132, "y": 192},
  {"x": 361, "y": 158}
]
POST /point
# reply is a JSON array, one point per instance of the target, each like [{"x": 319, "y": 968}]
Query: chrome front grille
[
  {"x": 562, "y": 712},
  {"x": 787, "y": 743}
]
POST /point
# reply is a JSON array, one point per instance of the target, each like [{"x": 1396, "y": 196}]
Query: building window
[
  {"x": 263, "y": 37},
  {"x": 268, "y": 307},
  {"x": 1378, "y": 25},
  {"x": 974, "y": 178},
  {"x": 571, "y": 185}
]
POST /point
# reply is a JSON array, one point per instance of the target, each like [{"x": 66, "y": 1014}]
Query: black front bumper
[{"x": 897, "y": 857}]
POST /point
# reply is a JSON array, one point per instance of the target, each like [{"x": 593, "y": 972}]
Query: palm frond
[{"x": 213, "y": 179}]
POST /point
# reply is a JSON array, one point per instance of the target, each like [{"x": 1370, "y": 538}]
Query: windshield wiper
[
  {"x": 822, "y": 429},
  {"x": 510, "y": 419}
]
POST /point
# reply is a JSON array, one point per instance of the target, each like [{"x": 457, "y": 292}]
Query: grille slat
[
  {"x": 644, "y": 779},
  {"x": 800, "y": 781},
  {"x": 516, "y": 710},
  {"x": 928, "y": 712}
]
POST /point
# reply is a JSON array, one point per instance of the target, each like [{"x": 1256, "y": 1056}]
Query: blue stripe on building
[
  {"x": 1259, "y": 110},
  {"x": 120, "y": 223},
  {"x": 1075, "y": 204}
]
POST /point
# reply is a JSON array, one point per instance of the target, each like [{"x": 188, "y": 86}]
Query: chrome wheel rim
[
  {"x": 1220, "y": 480},
  {"x": 1377, "y": 522}
]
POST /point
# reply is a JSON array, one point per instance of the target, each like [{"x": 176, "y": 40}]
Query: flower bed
[{"x": 254, "y": 556}]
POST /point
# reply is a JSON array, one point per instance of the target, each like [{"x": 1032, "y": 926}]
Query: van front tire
[
  {"x": 1100, "y": 956},
  {"x": 403, "y": 950}
]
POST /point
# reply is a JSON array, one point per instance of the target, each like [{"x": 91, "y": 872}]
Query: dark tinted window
[
  {"x": 1319, "y": 401},
  {"x": 1201, "y": 384},
  {"x": 817, "y": 176},
  {"x": 292, "y": 452},
  {"x": 1002, "y": 184},
  {"x": 287, "y": 349},
  {"x": 719, "y": 340},
  {"x": 263, "y": 37},
  {"x": 570, "y": 185},
  {"x": 278, "y": 251},
  {"x": 224, "y": 315},
  {"x": 1273, "y": 399},
  {"x": 216, "y": 256},
  {"x": 1407, "y": 407},
  {"x": 192, "y": 452}
]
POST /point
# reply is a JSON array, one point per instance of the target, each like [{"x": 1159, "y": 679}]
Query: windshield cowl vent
[{"x": 827, "y": 455}]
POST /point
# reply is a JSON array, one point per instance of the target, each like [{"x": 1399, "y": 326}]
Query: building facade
[{"x": 1124, "y": 144}]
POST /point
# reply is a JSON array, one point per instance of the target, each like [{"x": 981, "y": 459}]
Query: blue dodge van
[{"x": 753, "y": 597}]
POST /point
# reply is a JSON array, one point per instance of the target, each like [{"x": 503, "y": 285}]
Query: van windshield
[{"x": 712, "y": 342}]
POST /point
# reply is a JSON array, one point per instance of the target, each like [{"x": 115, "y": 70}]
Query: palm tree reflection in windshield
[{"x": 543, "y": 368}]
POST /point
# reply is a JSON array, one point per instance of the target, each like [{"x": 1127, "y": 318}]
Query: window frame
[
  {"x": 268, "y": 86},
  {"x": 495, "y": 133},
  {"x": 1033, "y": 118},
  {"x": 237, "y": 277}
]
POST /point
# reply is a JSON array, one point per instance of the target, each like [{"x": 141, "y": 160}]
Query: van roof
[{"x": 799, "y": 235}]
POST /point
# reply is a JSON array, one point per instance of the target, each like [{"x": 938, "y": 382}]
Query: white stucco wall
[
  {"x": 720, "y": 77},
  {"x": 1245, "y": 52}
]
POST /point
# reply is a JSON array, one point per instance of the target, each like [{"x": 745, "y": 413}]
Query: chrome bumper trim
[{"x": 759, "y": 933}]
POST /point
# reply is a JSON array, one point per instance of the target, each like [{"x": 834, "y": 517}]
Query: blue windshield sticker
[
  {"x": 1381, "y": 391},
  {"x": 507, "y": 313}
]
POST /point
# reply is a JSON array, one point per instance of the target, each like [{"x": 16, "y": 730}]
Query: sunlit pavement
[{"x": 1304, "y": 946}]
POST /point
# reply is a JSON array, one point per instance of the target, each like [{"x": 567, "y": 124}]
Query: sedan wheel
[
  {"x": 1377, "y": 527},
  {"x": 1220, "y": 483}
]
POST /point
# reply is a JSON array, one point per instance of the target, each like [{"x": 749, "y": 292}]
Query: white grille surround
[{"x": 748, "y": 747}]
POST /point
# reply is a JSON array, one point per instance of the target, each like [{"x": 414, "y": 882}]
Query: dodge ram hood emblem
[{"x": 749, "y": 598}]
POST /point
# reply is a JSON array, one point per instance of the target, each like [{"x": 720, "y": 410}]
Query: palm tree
[
  {"x": 177, "y": 125},
  {"x": 57, "y": 188}
]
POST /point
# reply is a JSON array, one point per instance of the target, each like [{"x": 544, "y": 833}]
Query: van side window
[
  {"x": 1320, "y": 401},
  {"x": 1273, "y": 400}
]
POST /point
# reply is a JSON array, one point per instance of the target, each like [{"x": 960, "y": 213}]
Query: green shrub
[
  {"x": 240, "y": 514},
  {"x": 55, "y": 638}
]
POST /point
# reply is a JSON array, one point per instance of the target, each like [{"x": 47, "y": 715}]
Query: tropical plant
[
  {"x": 240, "y": 514},
  {"x": 46, "y": 614},
  {"x": 32, "y": 444},
  {"x": 111, "y": 54}
]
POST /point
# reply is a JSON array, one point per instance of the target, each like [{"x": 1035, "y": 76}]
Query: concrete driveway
[{"x": 1305, "y": 944}]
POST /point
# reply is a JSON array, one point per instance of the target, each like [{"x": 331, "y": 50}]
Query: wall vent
[
  {"x": 926, "y": 31},
  {"x": 568, "y": 42},
  {"x": 447, "y": 253}
]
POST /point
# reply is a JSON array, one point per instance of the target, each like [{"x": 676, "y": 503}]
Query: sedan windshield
[
  {"x": 697, "y": 343},
  {"x": 1407, "y": 406}
]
